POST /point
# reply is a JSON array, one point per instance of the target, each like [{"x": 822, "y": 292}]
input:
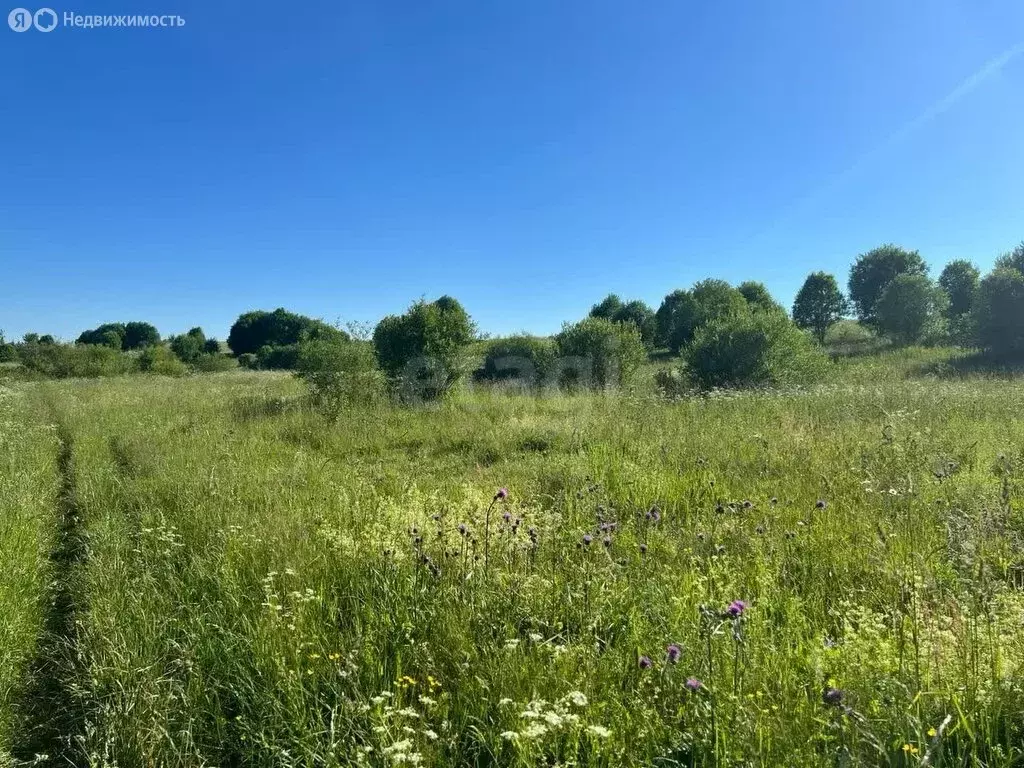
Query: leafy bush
[
  {"x": 189, "y": 346},
  {"x": 682, "y": 313},
  {"x": 874, "y": 270},
  {"x": 672, "y": 382},
  {"x": 635, "y": 312},
  {"x": 281, "y": 358},
  {"x": 108, "y": 335},
  {"x": 249, "y": 360},
  {"x": 62, "y": 361},
  {"x": 753, "y": 349},
  {"x": 8, "y": 353},
  {"x": 998, "y": 313},
  {"x": 849, "y": 337},
  {"x": 758, "y": 296},
  {"x": 423, "y": 352},
  {"x": 212, "y": 346},
  {"x": 1012, "y": 260},
  {"x": 959, "y": 279},
  {"x": 525, "y": 361},
  {"x": 339, "y": 373},
  {"x": 911, "y": 310},
  {"x": 160, "y": 360},
  {"x": 254, "y": 330},
  {"x": 216, "y": 363},
  {"x": 597, "y": 353}
]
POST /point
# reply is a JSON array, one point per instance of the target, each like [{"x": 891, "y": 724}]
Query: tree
[
  {"x": 998, "y": 313},
  {"x": 31, "y": 338},
  {"x": 597, "y": 353},
  {"x": 423, "y": 351},
  {"x": 523, "y": 360},
  {"x": 959, "y": 279},
  {"x": 189, "y": 346},
  {"x": 254, "y": 330},
  {"x": 211, "y": 347},
  {"x": 707, "y": 301},
  {"x": 758, "y": 296},
  {"x": 665, "y": 316},
  {"x": 819, "y": 304},
  {"x": 607, "y": 307},
  {"x": 138, "y": 334},
  {"x": 642, "y": 316},
  {"x": 1012, "y": 260},
  {"x": 108, "y": 335},
  {"x": 874, "y": 270},
  {"x": 47, "y": 338},
  {"x": 911, "y": 309}
]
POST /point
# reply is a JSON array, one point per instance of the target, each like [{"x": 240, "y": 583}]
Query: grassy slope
[{"x": 257, "y": 595}]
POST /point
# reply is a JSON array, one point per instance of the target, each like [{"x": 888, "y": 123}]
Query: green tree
[
  {"x": 524, "y": 360},
  {"x": 254, "y": 330},
  {"x": 423, "y": 352},
  {"x": 819, "y": 304},
  {"x": 607, "y": 307},
  {"x": 911, "y": 309},
  {"x": 758, "y": 296},
  {"x": 998, "y": 313},
  {"x": 959, "y": 279},
  {"x": 665, "y": 316},
  {"x": 1012, "y": 260},
  {"x": 107, "y": 335},
  {"x": 189, "y": 346},
  {"x": 642, "y": 316},
  {"x": 138, "y": 334},
  {"x": 705, "y": 302},
  {"x": 874, "y": 270}
]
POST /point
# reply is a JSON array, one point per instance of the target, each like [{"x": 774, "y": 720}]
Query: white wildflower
[
  {"x": 578, "y": 698},
  {"x": 600, "y": 731}
]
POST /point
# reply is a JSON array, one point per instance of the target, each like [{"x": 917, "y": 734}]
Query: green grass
[{"x": 265, "y": 587}]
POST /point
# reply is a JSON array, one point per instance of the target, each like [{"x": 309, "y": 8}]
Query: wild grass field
[{"x": 203, "y": 572}]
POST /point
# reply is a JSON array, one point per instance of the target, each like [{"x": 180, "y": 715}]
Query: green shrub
[
  {"x": 215, "y": 363},
  {"x": 254, "y": 330},
  {"x": 139, "y": 334},
  {"x": 524, "y": 361},
  {"x": 62, "y": 361},
  {"x": 423, "y": 352},
  {"x": 282, "y": 358},
  {"x": 339, "y": 373},
  {"x": 911, "y": 310},
  {"x": 107, "y": 335},
  {"x": 998, "y": 313},
  {"x": 682, "y": 313},
  {"x": 850, "y": 337},
  {"x": 819, "y": 304},
  {"x": 874, "y": 270},
  {"x": 8, "y": 353},
  {"x": 597, "y": 353},
  {"x": 160, "y": 360},
  {"x": 754, "y": 349},
  {"x": 249, "y": 360}
]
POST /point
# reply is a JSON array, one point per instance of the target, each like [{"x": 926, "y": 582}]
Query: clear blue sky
[{"x": 344, "y": 158}]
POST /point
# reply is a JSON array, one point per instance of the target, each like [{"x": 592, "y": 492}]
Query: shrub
[
  {"x": 254, "y": 330},
  {"x": 189, "y": 346},
  {"x": 911, "y": 310},
  {"x": 282, "y": 358},
  {"x": 758, "y": 296},
  {"x": 161, "y": 361},
  {"x": 671, "y": 382},
  {"x": 874, "y": 270},
  {"x": 207, "y": 363},
  {"x": 524, "y": 361},
  {"x": 849, "y": 337},
  {"x": 998, "y": 313},
  {"x": 211, "y": 347},
  {"x": 423, "y": 352},
  {"x": 755, "y": 349},
  {"x": 339, "y": 373},
  {"x": 597, "y": 353},
  {"x": 1012, "y": 260},
  {"x": 107, "y": 335},
  {"x": 249, "y": 360},
  {"x": 62, "y": 361},
  {"x": 682, "y": 313},
  {"x": 8, "y": 353}
]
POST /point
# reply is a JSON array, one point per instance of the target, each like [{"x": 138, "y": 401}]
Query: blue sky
[{"x": 344, "y": 158}]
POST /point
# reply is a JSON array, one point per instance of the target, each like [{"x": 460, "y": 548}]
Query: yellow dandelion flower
[{"x": 931, "y": 733}]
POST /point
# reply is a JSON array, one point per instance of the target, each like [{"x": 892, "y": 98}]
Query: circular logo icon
[
  {"x": 20, "y": 20},
  {"x": 45, "y": 20}
]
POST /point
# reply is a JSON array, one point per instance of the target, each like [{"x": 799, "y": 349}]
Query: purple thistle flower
[
  {"x": 587, "y": 539},
  {"x": 654, "y": 515},
  {"x": 736, "y": 608},
  {"x": 673, "y": 652},
  {"x": 693, "y": 684},
  {"x": 645, "y": 662},
  {"x": 506, "y": 516},
  {"x": 462, "y": 529},
  {"x": 501, "y": 494},
  {"x": 832, "y": 697}
]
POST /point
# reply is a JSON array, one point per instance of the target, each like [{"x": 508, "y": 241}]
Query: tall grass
[{"x": 268, "y": 588}]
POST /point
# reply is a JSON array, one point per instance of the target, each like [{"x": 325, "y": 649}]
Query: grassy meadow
[{"x": 203, "y": 572}]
